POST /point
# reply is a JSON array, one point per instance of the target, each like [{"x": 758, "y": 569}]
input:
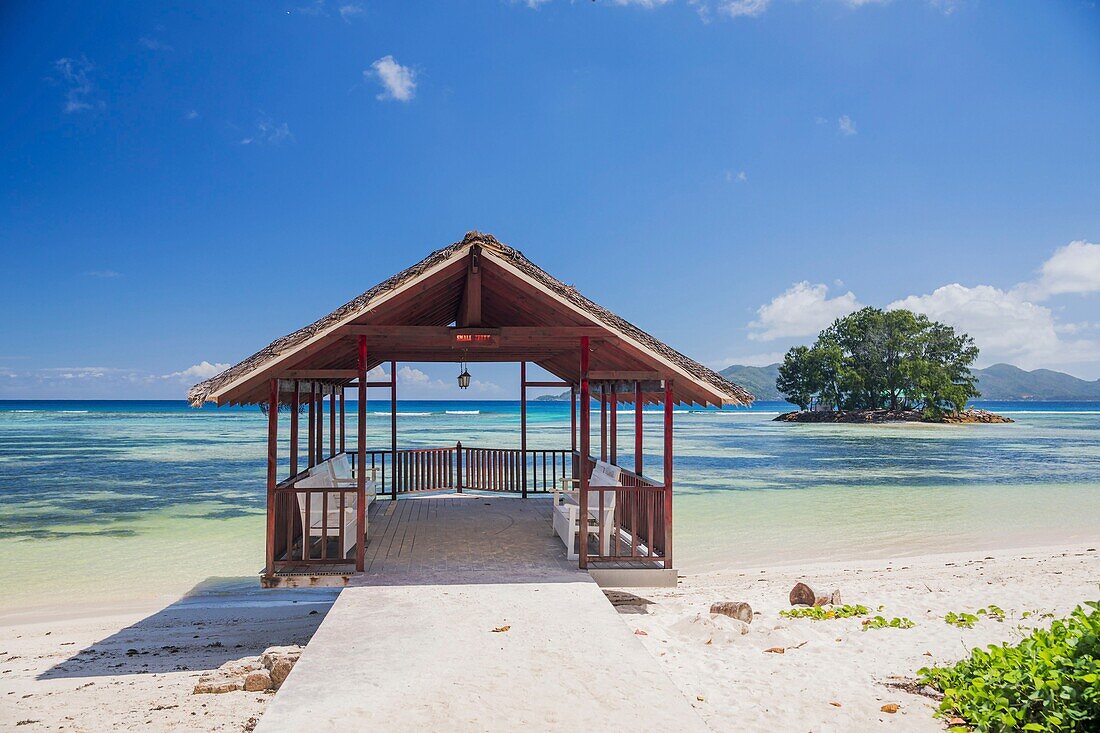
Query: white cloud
[
  {"x": 761, "y": 359},
  {"x": 317, "y": 7},
  {"x": 76, "y": 75},
  {"x": 1005, "y": 326},
  {"x": 269, "y": 132},
  {"x": 198, "y": 372},
  {"x": 349, "y": 11},
  {"x": 104, "y": 274},
  {"x": 398, "y": 82},
  {"x": 641, "y": 3},
  {"x": 845, "y": 125},
  {"x": 1074, "y": 268},
  {"x": 192, "y": 114},
  {"x": 802, "y": 310},
  {"x": 743, "y": 8},
  {"x": 739, "y": 177},
  {"x": 154, "y": 44}
]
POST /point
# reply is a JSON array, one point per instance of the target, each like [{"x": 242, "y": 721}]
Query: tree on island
[{"x": 882, "y": 360}]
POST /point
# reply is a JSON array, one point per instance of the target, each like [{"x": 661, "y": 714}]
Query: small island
[{"x": 877, "y": 366}]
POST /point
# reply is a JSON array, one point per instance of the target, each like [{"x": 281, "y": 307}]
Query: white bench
[
  {"x": 320, "y": 525},
  {"x": 566, "y": 516}
]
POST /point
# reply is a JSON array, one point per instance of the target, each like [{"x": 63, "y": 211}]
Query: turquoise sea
[{"x": 111, "y": 503}]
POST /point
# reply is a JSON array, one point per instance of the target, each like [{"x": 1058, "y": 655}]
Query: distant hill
[
  {"x": 1006, "y": 382},
  {"x": 998, "y": 382},
  {"x": 758, "y": 380}
]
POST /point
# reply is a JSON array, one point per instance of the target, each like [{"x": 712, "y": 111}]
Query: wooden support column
[
  {"x": 343, "y": 422},
  {"x": 319, "y": 431},
  {"x": 311, "y": 443},
  {"x": 295, "y": 403},
  {"x": 603, "y": 422},
  {"x": 572, "y": 417},
  {"x": 523, "y": 424},
  {"x": 361, "y": 473},
  {"x": 638, "y": 429},
  {"x": 584, "y": 473},
  {"x": 393, "y": 429},
  {"x": 272, "y": 479},
  {"x": 332, "y": 421},
  {"x": 668, "y": 473},
  {"x": 613, "y": 435}
]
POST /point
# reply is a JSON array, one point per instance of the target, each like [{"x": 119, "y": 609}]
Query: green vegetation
[
  {"x": 1049, "y": 681},
  {"x": 875, "y": 360},
  {"x": 824, "y": 613},
  {"x": 963, "y": 620},
  {"x": 880, "y": 622}
]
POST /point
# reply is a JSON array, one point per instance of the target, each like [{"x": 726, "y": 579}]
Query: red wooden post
[
  {"x": 393, "y": 429},
  {"x": 361, "y": 474},
  {"x": 584, "y": 473},
  {"x": 294, "y": 404},
  {"x": 311, "y": 444},
  {"x": 458, "y": 466},
  {"x": 668, "y": 473},
  {"x": 319, "y": 434},
  {"x": 613, "y": 436},
  {"x": 331, "y": 421},
  {"x": 603, "y": 422},
  {"x": 523, "y": 423},
  {"x": 573, "y": 417},
  {"x": 272, "y": 458},
  {"x": 638, "y": 458},
  {"x": 343, "y": 423}
]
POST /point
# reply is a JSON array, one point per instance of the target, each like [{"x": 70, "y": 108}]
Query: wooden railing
[
  {"x": 639, "y": 527},
  {"x": 464, "y": 467},
  {"x": 320, "y": 545}
]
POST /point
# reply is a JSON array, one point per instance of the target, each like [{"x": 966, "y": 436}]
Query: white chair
[
  {"x": 317, "y": 525},
  {"x": 567, "y": 515},
  {"x": 339, "y": 469}
]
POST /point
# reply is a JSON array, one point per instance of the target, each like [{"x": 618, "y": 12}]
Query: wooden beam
[
  {"x": 582, "y": 472},
  {"x": 295, "y": 401},
  {"x": 616, "y": 375},
  {"x": 505, "y": 332},
  {"x": 469, "y": 309},
  {"x": 361, "y": 462},
  {"x": 272, "y": 464},
  {"x": 319, "y": 374},
  {"x": 668, "y": 473},
  {"x": 548, "y": 384},
  {"x": 523, "y": 423}
]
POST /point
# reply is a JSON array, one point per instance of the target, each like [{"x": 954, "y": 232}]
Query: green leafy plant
[
  {"x": 1048, "y": 682},
  {"x": 823, "y": 613},
  {"x": 994, "y": 612},
  {"x": 963, "y": 620},
  {"x": 880, "y": 622}
]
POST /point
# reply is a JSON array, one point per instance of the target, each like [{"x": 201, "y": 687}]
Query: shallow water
[{"x": 114, "y": 502}]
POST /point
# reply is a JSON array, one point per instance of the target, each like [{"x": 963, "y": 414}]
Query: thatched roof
[{"x": 694, "y": 383}]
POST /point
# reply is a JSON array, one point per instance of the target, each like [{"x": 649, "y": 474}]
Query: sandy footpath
[
  {"x": 136, "y": 670},
  {"x": 831, "y": 675}
]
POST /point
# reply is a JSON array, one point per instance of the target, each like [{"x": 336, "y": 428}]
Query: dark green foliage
[
  {"x": 1050, "y": 681},
  {"x": 876, "y": 360}
]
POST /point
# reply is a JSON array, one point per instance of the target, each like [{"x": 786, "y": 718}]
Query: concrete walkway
[{"x": 413, "y": 648}]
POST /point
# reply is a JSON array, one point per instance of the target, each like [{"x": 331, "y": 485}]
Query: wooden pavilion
[{"x": 478, "y": 301}]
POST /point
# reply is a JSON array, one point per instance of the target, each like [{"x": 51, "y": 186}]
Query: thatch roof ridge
[{"x": 198, "y": 394}]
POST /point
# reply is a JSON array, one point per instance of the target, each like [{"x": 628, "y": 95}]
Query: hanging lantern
[{"x": 464, "y": 377}]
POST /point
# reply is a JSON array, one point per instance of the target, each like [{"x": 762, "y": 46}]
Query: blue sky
[{"x": 182, "y": 185}]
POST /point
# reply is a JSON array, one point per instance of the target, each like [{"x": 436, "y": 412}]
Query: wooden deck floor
[{"x": 449, "y": 535}]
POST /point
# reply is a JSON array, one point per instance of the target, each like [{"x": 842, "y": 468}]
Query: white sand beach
[
  {"x": 834, "y": 676},
  {"x": 136, "y": 670}
]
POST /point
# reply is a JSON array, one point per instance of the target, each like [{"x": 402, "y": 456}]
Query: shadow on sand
[{"x": 218, "y": 620}]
